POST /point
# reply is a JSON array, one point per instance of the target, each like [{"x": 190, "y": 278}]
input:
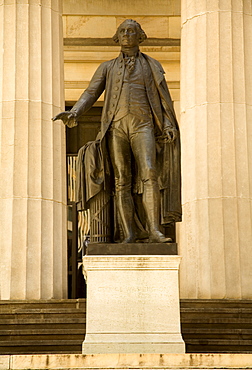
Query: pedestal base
[
  {"x": 132, "y": 304},
  {"x": 167, "y": 346}
]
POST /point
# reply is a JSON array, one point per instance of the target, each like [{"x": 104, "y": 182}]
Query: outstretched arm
[{"x": 87, "y": 99}]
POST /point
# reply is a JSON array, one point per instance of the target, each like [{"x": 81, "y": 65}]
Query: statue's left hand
[{"x": 170, "y": 134}]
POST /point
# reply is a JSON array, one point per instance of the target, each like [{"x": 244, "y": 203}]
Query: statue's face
[{"x": 128, "y": 35}]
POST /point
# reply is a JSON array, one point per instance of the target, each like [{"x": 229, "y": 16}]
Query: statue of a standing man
[{"x": 140, "y": 129}]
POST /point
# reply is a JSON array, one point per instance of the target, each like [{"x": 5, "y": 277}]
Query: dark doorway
[{"x": 87, "y": 129}]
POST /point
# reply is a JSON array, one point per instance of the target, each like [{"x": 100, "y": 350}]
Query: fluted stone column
[
  {"x": 215, "y": 237},
  {"x": 32, "y": 151}
]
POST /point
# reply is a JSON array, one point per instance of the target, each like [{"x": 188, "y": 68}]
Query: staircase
[
  {"x": 217, "y": 326},
  {"x": 55, "y": 326},
  {"x": 58, "y": 326}
]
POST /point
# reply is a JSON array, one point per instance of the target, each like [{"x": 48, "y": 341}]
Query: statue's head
[{"x": 129, "y": 33}]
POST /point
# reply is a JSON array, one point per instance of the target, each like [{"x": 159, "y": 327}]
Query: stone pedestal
[{"x": 132, "y": 304}]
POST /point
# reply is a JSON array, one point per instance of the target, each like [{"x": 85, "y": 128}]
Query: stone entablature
[{"x": 86, "y": 45}]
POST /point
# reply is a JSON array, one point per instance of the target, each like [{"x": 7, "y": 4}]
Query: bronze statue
[{"x": 139, "y": 135}]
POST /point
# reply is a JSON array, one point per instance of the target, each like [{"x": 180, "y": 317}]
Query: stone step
[
  {"x": 218, "y": 346},
  {"x": 208, "y": 326},
  {"x": 52, "y": 312},
  {"x": 59, "y": 311},
  {"x": 217, "y": 326},
  {"x": 210, "y": 337},
  {"x": 58, "y": 304},
  {"x": 215, "y": 331},
  {"x": 207, "y": 304},
  {"x": 55, "y": 326},
  {"x": 41, "y": 318},
  {"x": 74, "y": 324},
  {"x": 199, "y": 315},
  {"x": 42, "y": 347},
  {"x": 43, "y": 334}
]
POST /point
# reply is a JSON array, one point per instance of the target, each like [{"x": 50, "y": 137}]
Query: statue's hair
[{"x": 142, "y": 34}]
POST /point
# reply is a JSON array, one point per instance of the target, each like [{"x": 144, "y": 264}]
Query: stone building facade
[{"x": 50, "y": 49}]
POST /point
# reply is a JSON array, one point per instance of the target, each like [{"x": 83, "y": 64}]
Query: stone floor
[{"x": 126, "y": 361}]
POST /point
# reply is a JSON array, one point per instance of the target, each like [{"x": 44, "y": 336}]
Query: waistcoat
[{"x": 133, "y": 98}]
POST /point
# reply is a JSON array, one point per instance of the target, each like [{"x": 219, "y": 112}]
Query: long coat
[{"x": 109, "y": 77}]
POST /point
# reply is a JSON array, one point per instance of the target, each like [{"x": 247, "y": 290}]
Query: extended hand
[{"x": 68, "y": 118}]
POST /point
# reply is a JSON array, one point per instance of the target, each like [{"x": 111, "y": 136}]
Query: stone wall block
[
  {"x": 83, "y": 26},
  {"x": 46, "y": 46},
  {"x": 203, "y": 254},
  {"x": 226, "y": 57},
  {"x": 1, "y": 54},
  {"x": 201, "y": 167},
  {"x": 7, "y": 156},
  {"x": 243, "y": 185},
  {"x": 231, "y": 248},
  {"x": 189, "y": 173},
  {"x": 18, "y": 248},
  {"x": 200, "y": 86},
  {"x": 247, "y": 19},
  {"x": 174, "y": 27},
  {"x": 239, "y": 72},
  {"x": 245, "y": 237},
  {"x": 47, "y": 159},
  {"x": 22, "y": 52},
  {"x": 57, "y": 63},
  {"x": 9, "y": 55},
  {"x": 33, "y": 257},
  {"x": 216, "y": 149},
  {"x": 33, "y": 191},
  {"x": 247, "y": 7},
  {"x": 35, "y": 151},
  {"x": 187, "y": 236},
  {"x": 228, "y": 156},
  {"x": 188, "y": 60},
  {"x": 20, "y": 168},
  {"x": 35, "y": 52},
  {"x": 215, "y": 242},
  {"x": 58, "y": 251},
  {"x": 6, "y": 207},
  {"x": 47, "y": 252},
  {"x": 176, "y": 105},
  {"x": 117, "y": 7},
  {"x": 212, "y": 58},
  {"x": 59, "y": 193},
  {"x": 248, "y": 140}
]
